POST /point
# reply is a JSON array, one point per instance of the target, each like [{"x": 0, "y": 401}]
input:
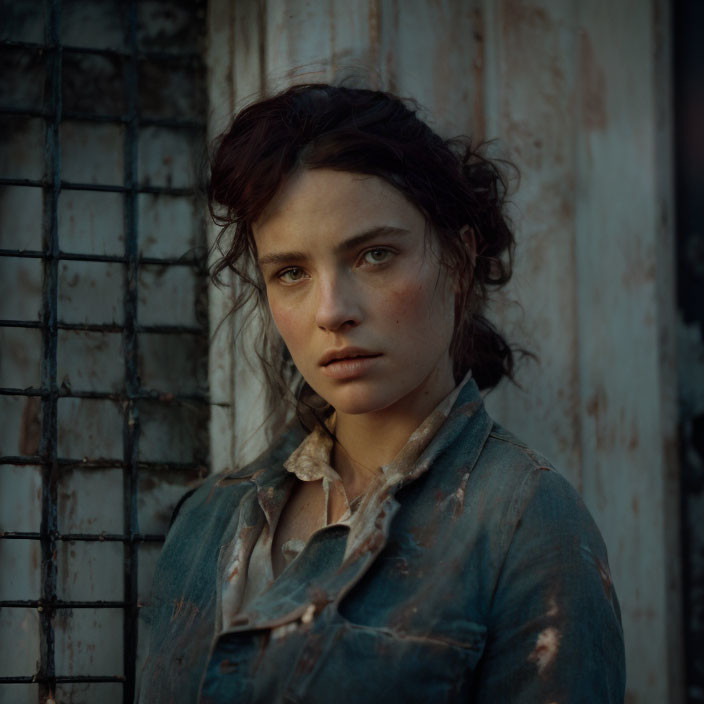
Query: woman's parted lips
[{"x": 346, "y": 353}]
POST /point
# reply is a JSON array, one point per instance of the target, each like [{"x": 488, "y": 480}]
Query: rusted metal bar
[
  {"x": 142, "y": 395},
  {"x": 111, "y": 119},
  {"x": 48, "y": 442},
  {"x": 34, "y": 679},
  {"x": 59, "y": 604},
  {"x": 196, "y": 468},
  {"x": 104, "y": 188},
  {"x": 131, "y": 421},
  {"x": 181, "y": 59},
  {"x": 109, "y": 327},
  {"x": 89, "y": 537},
  {"x": 109, "y": 258}
]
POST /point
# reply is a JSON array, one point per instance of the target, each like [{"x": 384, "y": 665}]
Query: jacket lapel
[{"x": 336, "y": 558}]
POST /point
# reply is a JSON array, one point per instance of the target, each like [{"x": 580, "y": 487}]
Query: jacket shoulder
[
  {"x": 516, "y": 480},
  {"x": 229, "y": 485},
  {"x": 511, "y": 446}
]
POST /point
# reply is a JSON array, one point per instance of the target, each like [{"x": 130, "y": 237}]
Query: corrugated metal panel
[{"x": 577, "y": 95}]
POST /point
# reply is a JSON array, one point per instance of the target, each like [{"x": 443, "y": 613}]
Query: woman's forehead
[{"x": 326, "y": 203}]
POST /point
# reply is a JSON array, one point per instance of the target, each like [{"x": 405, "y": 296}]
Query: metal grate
[{"x": 52, "y": 57}]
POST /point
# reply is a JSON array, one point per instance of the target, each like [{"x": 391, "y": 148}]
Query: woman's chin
[{"x": 356, "y": 401}]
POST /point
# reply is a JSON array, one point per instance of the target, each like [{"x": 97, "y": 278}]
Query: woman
[{"x": 394, "y": 543}]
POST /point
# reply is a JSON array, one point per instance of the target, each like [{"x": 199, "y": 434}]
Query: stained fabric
[
  {"x": 476, "y": 575},
  {"x": 310, "y": 461}
]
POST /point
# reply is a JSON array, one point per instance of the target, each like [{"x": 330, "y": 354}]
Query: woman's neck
[{"x": 366, "y": 441}]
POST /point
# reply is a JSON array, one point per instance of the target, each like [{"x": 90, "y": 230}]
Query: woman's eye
[
  {"x": 378, "y": 255},
  {"x": 292, "y": 275}
]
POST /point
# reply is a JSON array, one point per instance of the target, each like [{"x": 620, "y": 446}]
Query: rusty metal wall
[
  {"x": 103, "y": 329},
  {"x": 579, "y": 97}
]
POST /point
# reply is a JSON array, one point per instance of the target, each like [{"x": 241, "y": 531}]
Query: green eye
[
  {"x": 291, "y": 275},
  {"x": 378, "y": 255}
]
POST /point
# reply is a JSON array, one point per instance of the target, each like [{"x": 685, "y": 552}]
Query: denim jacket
[{"x": 482, "y": 578}]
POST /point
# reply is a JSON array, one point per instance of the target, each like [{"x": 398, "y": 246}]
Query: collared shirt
[{"x": 311, "y": 461}]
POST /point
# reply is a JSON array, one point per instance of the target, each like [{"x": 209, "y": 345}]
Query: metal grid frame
[{"x": 52, "y": 465}]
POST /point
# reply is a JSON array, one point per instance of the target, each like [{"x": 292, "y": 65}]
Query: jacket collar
[{"x": 333, "y": 561}]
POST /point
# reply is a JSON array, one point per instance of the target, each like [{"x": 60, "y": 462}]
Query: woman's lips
[{"x": 349, "y": 367}]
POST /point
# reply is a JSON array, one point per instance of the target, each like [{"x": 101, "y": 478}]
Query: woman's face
[{"x": 356, "y": 290}]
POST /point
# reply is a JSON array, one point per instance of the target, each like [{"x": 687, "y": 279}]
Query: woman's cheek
[
  {"x": 406, "y": 304},
  {"x": 287, "y": 320}
]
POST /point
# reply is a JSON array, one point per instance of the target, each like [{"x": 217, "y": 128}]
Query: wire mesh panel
[{"x": 103, "y": 329}]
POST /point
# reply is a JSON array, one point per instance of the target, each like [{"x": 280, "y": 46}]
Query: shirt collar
[{"x": 310, "y": 461}]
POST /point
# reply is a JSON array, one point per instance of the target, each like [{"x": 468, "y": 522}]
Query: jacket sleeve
[{"x": 554, "y": 631}]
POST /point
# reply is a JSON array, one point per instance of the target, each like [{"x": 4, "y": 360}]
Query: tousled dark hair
[{"x": 459, "y": 190}]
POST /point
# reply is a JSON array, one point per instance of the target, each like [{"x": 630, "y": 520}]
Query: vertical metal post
[
  {"x": 48, "y": 446},
  {"x": 132, "y": 381}
]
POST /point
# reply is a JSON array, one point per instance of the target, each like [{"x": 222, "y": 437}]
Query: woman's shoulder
[
  {"x": 222, "y": 490},
  {"x": 524, "y": 487},
  {"x": 512, "y": 466}
]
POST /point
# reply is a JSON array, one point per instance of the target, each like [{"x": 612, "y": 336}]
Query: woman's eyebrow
[
  {"x": 345, "y": 246},
  {"x": 370, "y": 234},
  {"x": 281, "y": 258}
]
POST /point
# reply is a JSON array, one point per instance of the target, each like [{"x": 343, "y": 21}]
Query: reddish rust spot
[
  {"x": 178, "y": 607},
  {"x": 30, "y": 426},
  {"x": 319, "y": 598},
  {"x": 634, "y": 439},
  {"x": 597, "y": 403},
  {"x": 605, "y": 577},
  {"x": 592, "y": 80}
]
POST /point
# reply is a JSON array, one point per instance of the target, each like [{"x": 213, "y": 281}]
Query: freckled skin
[{"x": 402, "y": 308}]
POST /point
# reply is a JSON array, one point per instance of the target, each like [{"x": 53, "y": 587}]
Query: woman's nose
[{"x": 338, "y": 305}]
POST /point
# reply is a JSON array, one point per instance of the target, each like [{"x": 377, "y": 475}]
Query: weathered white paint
[
  {"x": 577, "y": 94},
  {"x": 626, "y": 313}
]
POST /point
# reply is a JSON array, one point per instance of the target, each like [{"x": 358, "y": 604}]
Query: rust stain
[
  {"x": 30, "y": 426},
  {"x": 478, "y": 100},
  {"x": 231, "y": 43},
  {"x": 597, "y": 403},
  {"x": 605, "y": 577},
  {"x": 643, "y": 614},
  {"x": 178, "y": 607},
  {"x": 319, "y": 598},
  {"x": 459, "y": 496},
  {"x": 553, "y": 609},
  {"x": 639, "y": 266},
  {"x": 545, "y": 650},
  {"x": 193, "y": 612},
  {"x": 373, "y": 21},
  {"x": 592, "y": 82},
  {"x": 390, "y": 56},
  {"x": 634, "y": 438}
]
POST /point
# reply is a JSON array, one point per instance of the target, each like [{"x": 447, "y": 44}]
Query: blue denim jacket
[{"x": 483, "y": 579}]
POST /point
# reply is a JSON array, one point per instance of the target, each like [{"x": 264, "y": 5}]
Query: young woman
[{"x": 394, "y": 543}]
